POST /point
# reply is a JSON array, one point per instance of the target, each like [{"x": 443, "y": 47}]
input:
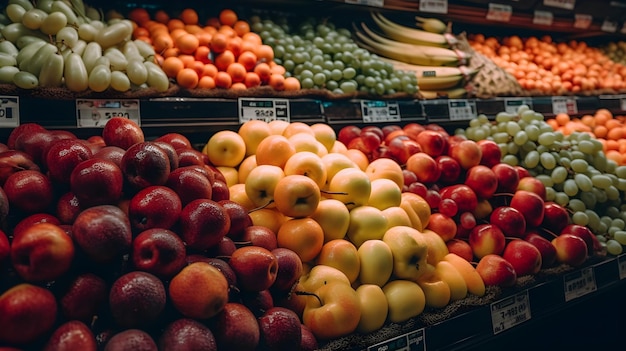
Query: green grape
[
  {"x": 307, "y": 83},
  {"x": 621, "y": 184},
  {"x": 586, "y": 146},
  {"x": 527, "y": 115},
  {"x": 594, "y": 220},
  {"x": 532, "y": 159},
  {"x": 550, "y": 193},
  {"x": 520, "y": 138},
  {"x": 583, "y": 182},
  {"x": 589, "y": 199},
  {"x": 570, "y": 187},
  {"x": 620, "y": 172},
  {"x": 579, "y": 165},
  {"x": 319, "y": 79},
  {"x": 512, "y": 128},
  {"x": 547, "y": 160},
  {"x": 474, "y": 122},
  {"x": 332, "y": 85},
  {"x": 601, "y": 181},
  {"x": 613, "y": 247},
  {"x": 561, "y": 198},
  {"x": 600, "y": 195},
  {"x": 500, "y": 137},
  {"x": 349, "y": 73},
  {"x": 559, "y": 174},
  {"x": 578, "y": 155},
  {"x": 348, "y": 86},
  {"x": 577, "y": 205},
  {"x": 546, "y": 139},
  {"x": 620, "y": 236},
  {"x": 510, "y": 160},
  {"x": 512, "y": 148},
  {"x": 580, "y": 218},
  {"x": 532, "y": 131}
]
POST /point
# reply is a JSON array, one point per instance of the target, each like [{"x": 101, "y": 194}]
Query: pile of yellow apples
[{"x": 368, "y": 256}]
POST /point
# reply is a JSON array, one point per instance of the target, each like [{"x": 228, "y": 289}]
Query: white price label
[
  {"x": 94, "y": 113},
  {"x": 434, "y": 6},
  {"x": 9, "y": 111},
  {"x": 412, "y": 341},
  {"x": 609, "y": 26},
  {"x": 374, "y": 3},
  {"x": 564, "y": 104},
  {"x": 621, "y": 266},
  {"x": 263, "y": 109},
  {"x": 622, "y": 104},
  {"x": 579, "y": 283},
  {"x": 563, "y": 4},
  {"x": 499, "y": 12},
  {"x": 511, "y": 105},
  {"x": 544, "y": 18},
  {"x": 623, "y": 30},
  {"x": 461, "y": 110},
  {"x": 510, "y": 312},
  {"x": 380, "y": 111},
  {"x": 582, "y": 21}
]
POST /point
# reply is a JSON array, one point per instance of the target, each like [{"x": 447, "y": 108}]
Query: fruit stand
[{"x": 479, "y": 202}]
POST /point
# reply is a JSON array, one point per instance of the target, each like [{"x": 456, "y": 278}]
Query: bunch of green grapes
[
  {"x": 322, "y": 56},
  {"x": 573, "y": 168}
]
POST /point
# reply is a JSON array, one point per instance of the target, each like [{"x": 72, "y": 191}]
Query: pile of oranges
[{"x": 222, "y": 53}]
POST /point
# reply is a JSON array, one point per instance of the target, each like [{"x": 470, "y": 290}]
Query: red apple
[
  {"x": 29, "y": 191},
  {"x": 71, "y": 335},
  {"x": 12, "y": 161},
  {"x": 102, "y": 232},
  {"x": 496, "y": 271},
  {"x": 548, "y": 251},
  {"x": 486, "y": 239},
  {"x": 158, "y": 251},
  {"x": 23, "y": 128},
  {"x": 289, "y": 269},
  {"x": 509, "y": 220},
  {"x": 111, "y": 153},
  {"x": 190, "y": 183},
  {"x": 524, "y": 256},
  {"x": 530, "y": 205},
  {"x": 308, "y": 341},
  {"x": 219, "y": 191},
  {"x": 584, "y": 233},
  {"x": 482, "y": 180},
  {"x": 136, "y": 299},
  {"x": 432, "y": 142},
  {"x": 257, "y": 301},
  {"x": 84, "y": 297},
  {"x": 191, "y": 157},
  {"x": 184, "y": 334},
  {"x": 177, "y": 140},
  {"x": 221, "y": 265},
  {"x": 172, "y": 154},
  {"x": 256, "y": 267},
  {"x": 239, "y": 218},
  {"x": 522, "y": 172},
  {"x": 393, "y": 127},
  {"x": 96, "y": 182},
  {"x": 35, "y": 144},
  {"x": 533, "y": 185},
  {"x": 280, "y": 329},
  {"x": 33, "y": 219},
  {"x": 224, "y": 248},
  {"x": 461, "y": 248},
  {"x": 122, "y": 132},
  {"x": 127, "y": 339},
  {"x": 466, "y": 152},
  {"x": 68, "y": 207},
  {"x": 259, "y": 235},
  {"x": 348, "y": 133},
  {"x": 450, "y": 170},
  {"x": 424, "y": 166},
  {"x": 203, "y": 224},
  {"x": 491, "y": 153},
  {"x": 156, "y": 206},
  {"x": 236, "y": 328},
  {"x": 145, "y": 164},
  {"x": 397, "y": 149},
  {"x": 570, "y": 249},
  {"x": 462, "y": 194},
  {"x": 555, "y": 217},
  {"x": 27, "y": 313},
  {"x": 409, "y": 177},
  {"x": 507, "y": 176},
  {"x": 63, "y": 156}
]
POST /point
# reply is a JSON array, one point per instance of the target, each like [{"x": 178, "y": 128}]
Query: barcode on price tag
[
  {"x": 544, "y": 18},
  {"x": 563, "y": 4},
  {"x": 434, "y": 6},
  {"x": 380, "y": 111},
  {"x": 510, "y": 312},
  {"x": 94, "y": 113},
  {"x": 373, "y": 3},
  {"x": 621, "y": 265},
  {"x": 461, "y": 110},
  {"x": 499, "y": 12},
  {"x": 412, "y": 341},
  {"x": 511, "y": 105},
  {"x": 564, "y": 104},
  {"x": 9, "y": 111},
  {"x": 263, "y": 109},
  {"x": 579, "y": 283},
  {"x": 582, "y": 21}
]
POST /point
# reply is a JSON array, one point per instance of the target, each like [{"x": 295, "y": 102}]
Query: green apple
[
  {"x": 384, "y": 193},
  {"x": 405, "y": 300},
  {"x": 366, "y": 223},
  {"x": 376, "y": 262},
  {"x": 343, "y": 255},
  {"x": 261, "y": 182},
  {"x": 334, "y": 312},
  {"x": 309, "y": 164},
  {"x": 334, "y": 218},
  {"x": 410, "y": 251},
  {"x": 374, "y": 308},
  {"x": 396, "y": 216},
  {"x": 351, "y": 186},
  {"x": 436, "y": 291},
  {"x": 320, "y": 275},
  {"x": 449, "y": 274}
]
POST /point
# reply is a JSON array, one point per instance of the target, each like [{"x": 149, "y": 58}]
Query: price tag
[
  {"x": 263, "y": 109},
  {"x": 582, "y": 21},
  {"x": 609, "y": 26},
  {"x": 564, "y": 104},
  {"x": 499, "y": 12},
  {"x": 412, "y": 341},
  {"x": 511, "y": 105},
  {"x": 94, "y": 113},
  {"x": 621, "y": 265},
  {"x": 374, "y": 3},
  {"x": 510, "y": 312},
  {"x": 9, "y": 111},
  {"x": 563, "y": 4},
  {"x": 434, "y": 6},
  {"x": 579, "y": 283},
  {"x": 544, "y": 18},
  {"x": 623, "y": 30},
  {"x": 461, "y": 109},
  {"x": 380, "y": 111}
]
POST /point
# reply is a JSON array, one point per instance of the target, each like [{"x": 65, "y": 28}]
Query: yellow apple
[
  {"x": 437, "y": 248},
  {"x": 296, "y": 196},
  {"x": 338, "y": 147},
  {"x": 436, "y": 291},
  {"x": 261, "y": 182},
  {"x": 321, "y": 149},
  {"x": 350, "y": 186},
  {"x": 366, "y": 223},
  {"x": 274, "y": 150},
  {"x": 376, "y": 262},
  {"x": 268, "y": 217},
  {"x": 230, "y": 174},
  {"x": 409, "y": 251},
  {"x": 384, "y": 194},
  {"x": 321, "y": 275},
  {"x": 374, "y": 308},
  {"x": 325, "y": 134},
  {"x": 304, "y": 142},
  {"x": 252, "y": 132},
  {"x": 245, "y": 167},
  {"x": 334, "y": 162},
  {"x": 277, "y": 126},
  {"x": 385, "y": 168},
  {"x": 334, "y": 218},
  {"x": 419, "y": 207},
  {"x": 396, "y": 215},
  {"x": 334, "y": 312},
  {"x": 308, "y": 164},
  {"x": 473, "y": 280},
  {"x": 226, "y": 148},
  {"x": 297, "y": 127},
  {"x": 358, "y": 157},
  {"x": 343, "y": 255},
  {"x": 405, "y": 300},
  {"x": 238, "y": 194},
  {"x": 449, "y": 274}
]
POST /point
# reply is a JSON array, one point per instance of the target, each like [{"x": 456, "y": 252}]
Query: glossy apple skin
[
  {"x": 12, "y": 161},
  {"x": 545, "y": 247},
  {"x": 510, "y": 220},
  {"x": 255, "y": 267},
  {"x": 524, "y": 256},
  {"x": 23, "y": 128},
  {"x": 203, "y": 224},
  {"x": 103, "y": 232},
  {"x": 462, "y": 194},
  {"x": 177, "y": 140},
  {"x": 67, "y": 208},
  {"x": 187, "y": 334},
  {"x": 236, "y": 328},
  {"x": 533, "y": 185},
  {"x": 259, "y": 235},
  {"x": 29, "y": 191},
  {"x": 482, "y": 180},
  {"x": 111, "y": 153},
  {"x": 290, "y": 269},
  {"x": 122, "y": 132},
  {"x": 486, "y": 239},
  {"x": 136, "y": 299},
  {"x": 72, "y": 335},
  {"x": 491, "y": 153},
  {"x": 431, "y": 142},
  {"x": 84, "y": 297},
  {"x": 239, "y": 218},
  {"x": 28, "y": 312},
  {"x": 63, "y": 156},
  {"x": 450, "y": 170},
  {"x": 570, "y": 249},
  {"x": 96, "y": 182},
  {"x": 145, "y": 164},
  {"x": 466, "y": 152},
  {"x": 33, "y": 219},
  {"x": 159, "y": 251},
  {"x": 280, "y": 329},
  {"x": 171, "y": 152},
  {"x": 156, "y": 206},
  {"x": 585, "y": 233},
  {"x": 35, "y": 144},
  {"x": 530, "y": 205},
  {"x": 190, "y": 183},
  {"x": 497, "y": 271},
  {"x": 555, "y": 218}
]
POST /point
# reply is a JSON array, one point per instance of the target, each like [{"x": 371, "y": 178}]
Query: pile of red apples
[
  {"x": 488, "y": 212},
  {"x": 116, "y": 242}
]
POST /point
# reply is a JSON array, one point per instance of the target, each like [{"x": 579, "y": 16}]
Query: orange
[
  {"x": 206, "y": 82},
  {"x": 274, "y": 150},
  {"x": 199, "y": 291},
  {"x": 202, "y": 54},
  {"x": 174, "y": 23},
  {"x": 562, "y": 118},
  {"x": 252, "y": 80},
  {"x": 187, "y": 43},
  {"x": 265, "y": 53},
  {"x": 277, "y": 82},
  {"x": 264, "y": 72},
  {"x": 237, "y": 71},
  {"x": 223, "y": 60},
  {"x": 187, "y": 78},
  {"x": 228, "y": 17},
  {"x": 204, "y": 38},
  {"x": 172, "y": 65},
  {"x": 139, "y": 15},
  {"x": 247, "y": 59},
  {"x": 209, "y": 70},
  {"x": 162, "y": 42},
  {"x": 238, "y": 86},
  {"x": 304, "y": 236},
  {"x": 219, "y": 42},
  {"x": 161, "y": 16},
  {"x": 234, "y": 45},
  {"x": 189, "y": 16},
  {"x": 292, "y": 83},
  {"x": 297, "y": 127},
  {"x": 223, "y": 80},
  {"x": 241, "y": 27},
  {"x": 253, "y": 38}
]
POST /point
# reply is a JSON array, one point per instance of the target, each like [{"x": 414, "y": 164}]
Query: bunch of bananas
[{"x": 426, "y": 50}]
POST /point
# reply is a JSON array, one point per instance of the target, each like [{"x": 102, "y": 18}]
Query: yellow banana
[
  {"x": 432, "y": 25},
  {"x": 410, "y": 35},
  {"x": 438, "y": 83},
  {"x": 453, "y": 93}
]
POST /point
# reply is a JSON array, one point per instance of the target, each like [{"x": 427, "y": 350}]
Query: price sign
[
  {"x": 609, "y": 26},
  {"x": 499, "y": 12},
  {"x": 9, "y": 111},
  {"x": 374, "y": 3},
  {"x": 510, "y": 312},
  {"x": 579, "y": 283},
  {"x": 434, "y": 6},
  {"x": 412, "y": 341},
  {"x": 263, "y": 109},
  {"x": 380, "y": 111},
  {"x": 461, "y": 109},
  {"x": 621, "y": 265},
  {"x": 564, "y": 104},
  {"x": 511, "y": 105},
  {"x": 582, "y": 21},
  {"x": 544, "y": 18},
  {"x": 94, "y": 113},
  {"x": 563, "y": 4}
]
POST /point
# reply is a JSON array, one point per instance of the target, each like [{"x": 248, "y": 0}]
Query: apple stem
[
  {"x": 94, "y": 319},
  {"x": 333, "y": 192},
  {"x": 306, "y": 293},
  {"x": 553, "y": 234},
  {"x": 223, "y": 257},
  {"x": 242, "y": 243},
  {"x": 262, "y": 206}
]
